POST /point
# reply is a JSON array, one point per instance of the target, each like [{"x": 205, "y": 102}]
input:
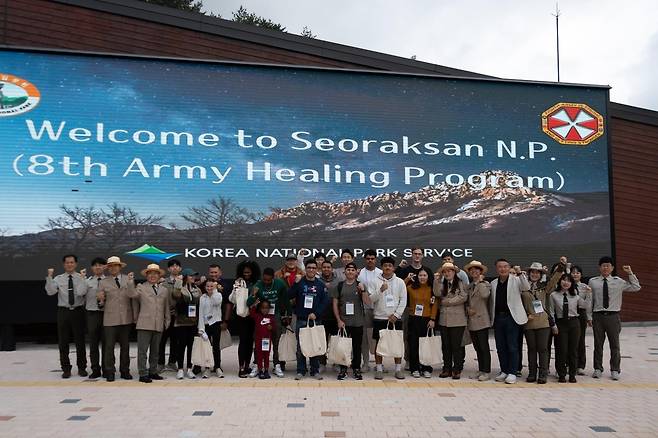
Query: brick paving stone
[
  {"x": 90, "y": 409},
  {"x": 329, "y": 414},
  {"x": 602, "y": 429},
  {"x": 6, "y": 417},
  {"x": 334, "y": 434},
  {"x": 78, "y": 418}
]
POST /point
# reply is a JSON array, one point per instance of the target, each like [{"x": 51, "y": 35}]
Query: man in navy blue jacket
[{"x": 311, "y": 300}]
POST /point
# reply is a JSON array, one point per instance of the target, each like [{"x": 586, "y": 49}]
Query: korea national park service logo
[
  {"x": 17, "y": 95},
  {"x": 572, "y": 123}
]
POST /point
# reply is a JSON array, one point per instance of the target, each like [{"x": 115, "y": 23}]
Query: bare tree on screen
[
  {"x": 122, "y": 225},
  {"x": 216, "y": 217},
  {"x": 76, "y": 226}
]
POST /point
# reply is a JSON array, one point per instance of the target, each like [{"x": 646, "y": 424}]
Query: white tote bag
[
  {"x": 202, "y": 353},
  {"x": 312, "y": 340},
  {"x": 239, "y": 296},
  {"x": 225, "y": 339},
  {"x": 287, "y": 345},
  {"x": 340, "y": 349},
  {"x": 429, "y": 349},
  {"x": 391, "y": 342}
]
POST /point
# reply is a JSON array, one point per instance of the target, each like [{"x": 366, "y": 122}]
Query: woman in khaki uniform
[
  {"x": 479, "y": 322},
  {"x": 538, "y": 328},
  {"x": 452, "y": 319}
]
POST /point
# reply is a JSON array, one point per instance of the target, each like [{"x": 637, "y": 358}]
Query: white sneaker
[
  {"x": 415, "y": 374},
  {"x": 190, "y": 374},
  {"x": 597, "y": 374},
  {"x": 180, "y": 375},
  {"x": 510, "y": 379},
  {"x": 615, "y": 375},
  {"x": 501, "y": 377},
  {"x": 253, "y": 373},
  {"x": 483, "y": 377},
  {"x": 206, "y": 373},
  {"x": 220, "y": 373},
  {"x": 277, "y": 370},
  {"x": 580, "y": 371},
  {"x": 427, "y": 374}
]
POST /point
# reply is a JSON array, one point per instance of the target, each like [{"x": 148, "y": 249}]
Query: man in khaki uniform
[
  {"x": 154, "y": 316},
  {"x": 118, "y": 317}
]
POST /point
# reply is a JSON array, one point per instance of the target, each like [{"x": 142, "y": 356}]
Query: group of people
[{"x": 546, "y": 306}]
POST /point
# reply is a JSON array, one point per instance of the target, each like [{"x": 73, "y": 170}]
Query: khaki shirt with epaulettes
[{"x": 540, "y": 291}]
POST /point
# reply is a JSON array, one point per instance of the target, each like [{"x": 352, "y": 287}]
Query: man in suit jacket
[
  {"x": 154, "y": 316},
  {"x": 508, "y": 317},
  {"x": 118, "y": 317}
]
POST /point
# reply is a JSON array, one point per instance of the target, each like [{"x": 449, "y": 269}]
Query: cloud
[{"x": 602, "y": 41}]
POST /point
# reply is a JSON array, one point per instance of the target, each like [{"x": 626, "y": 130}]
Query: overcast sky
[{"x": 602, "y": 41}]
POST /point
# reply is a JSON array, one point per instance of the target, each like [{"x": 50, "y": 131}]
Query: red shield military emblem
[{"x": 572, "y": 123}]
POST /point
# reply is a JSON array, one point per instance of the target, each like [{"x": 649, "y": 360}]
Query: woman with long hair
[
  {"x": 422, "y": 311},
  {"x": 564, "y": 304},
  {"x": 452, "y": 319},
  {"x": 246, "y": 275},
  {"x": 186, "y": 304}
]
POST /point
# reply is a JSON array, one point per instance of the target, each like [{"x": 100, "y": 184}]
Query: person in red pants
[{"x": 265, "y": 327}]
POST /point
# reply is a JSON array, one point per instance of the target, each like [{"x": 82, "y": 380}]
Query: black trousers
[
  {"x": 184, "y": 337},
  {"x": 553, "y": 346},
  {"x": 245, "y": 327},
  {"x": 567, "y": 341},
  {"x": 96, "y": 339},
  {"x": 417, "y": 328},
  {"x": 537, "y": 340},
  {"x": 480, "y": 340},
  {"x": 214, "y": 333},
  {"x": 520, "y": 364},
  {"x": 114, "y": 334},
  {"x": 71, "y": 322},
  {"x": 582, "y": 354},
  {"x": 451, "y": 347},
  {"x": 356, "y": 333},
  {"x": 168, "y": 334}
]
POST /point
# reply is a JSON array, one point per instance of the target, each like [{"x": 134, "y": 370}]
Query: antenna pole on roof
[{"x": 557, "y": 37}]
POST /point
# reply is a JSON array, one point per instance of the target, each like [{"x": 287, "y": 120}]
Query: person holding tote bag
[
  {"x": 349, "y": 298},
  {"x": 311, "y": 299},
  {"x": 210, "y": 324},
  {"x": 422, "y": 312},
  {"x": 246, "y": 275},
  {"x": 452, "y": 319}
]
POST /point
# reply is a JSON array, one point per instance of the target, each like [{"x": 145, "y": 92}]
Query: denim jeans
[
  {"x": 506, "y": 332},
  {"x": 301, "y": 359}
]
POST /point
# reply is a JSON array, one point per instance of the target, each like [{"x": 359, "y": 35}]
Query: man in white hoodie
[{"x": 389, "y": 298}]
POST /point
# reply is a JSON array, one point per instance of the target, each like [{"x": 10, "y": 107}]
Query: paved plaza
[{"x": 35, "y": 402}]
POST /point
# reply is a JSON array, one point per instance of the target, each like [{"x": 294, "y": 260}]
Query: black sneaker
[
  {"x": 126, "y": 376},
  {"x": 95, "y": 375},
  {"x": 109, "y": 377},
  {"x": 156, "y": 377},
  {"x": 66, "y": 374},
  {"x": 82, "y": 373},
  {"x": 342, "y": 375},
  {"x": 261, "y": 375},
  {"x": 266, "y": 375},
  {"x": 531, "y": 379},
  {"x": 145, "y": 379},
  {"x": 572, "y": 379},
  {"x": 562, "y": 379},
  {"x": 357, "y": 375},
  {"x": 243, "y": 374}
]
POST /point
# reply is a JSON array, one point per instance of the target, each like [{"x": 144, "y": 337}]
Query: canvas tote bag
[
  {"x": 340, "y": 348},
  {"x": 429, "y": 349},
  {"x": 391, "y": 342},
  {"x": 239, "y": 296},
  {"x": 202, "y": 353},
  {"x": 287, "y": 346},
  {"x": 312, "y": 340}
]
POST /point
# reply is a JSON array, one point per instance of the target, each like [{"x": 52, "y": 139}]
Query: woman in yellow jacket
[{"x": 422, "y": 312}]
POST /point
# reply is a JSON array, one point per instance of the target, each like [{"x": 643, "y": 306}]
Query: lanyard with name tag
[
  {"x": 265, "y": 344},
  {"x": 349, "y": 308},
  {"x": 419, "y": 310},
  {"x": 390, "y": 300},
  {"x": 308, "y": 301},
  {"x": 537, "y": 306},
  {"x": 191, "y": 311}
]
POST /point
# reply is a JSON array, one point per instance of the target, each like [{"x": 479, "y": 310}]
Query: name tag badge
[
  {"x": 537, "y": 306},
  {"x": 390, "y": 300},
  {"x": 191, "y": 311},
  {"x": 265, "y": 344},
  {"x": 419, "y": 310},
  {"x": 349, "y": 308},
  {"x": 272, "y": 309},
  {"x": 308, "y": 301}
]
